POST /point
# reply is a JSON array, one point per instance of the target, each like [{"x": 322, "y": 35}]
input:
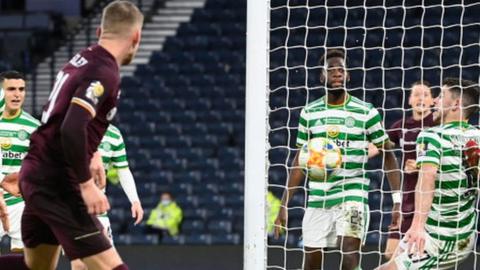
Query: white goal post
[{"x": 257, "y": 89}]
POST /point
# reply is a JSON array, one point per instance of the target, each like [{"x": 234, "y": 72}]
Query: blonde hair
[{"x": 119, "y": 17}]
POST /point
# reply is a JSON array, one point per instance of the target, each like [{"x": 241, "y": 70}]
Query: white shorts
[
  {"x": 15, "y": 217},
  {"x": 106, "y": 227},
  {"x": 438, "y": 254},
  {"x": 322, "y": 226}
]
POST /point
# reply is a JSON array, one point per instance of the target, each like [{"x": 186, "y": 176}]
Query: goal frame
[{"x": 256, "y": 131}]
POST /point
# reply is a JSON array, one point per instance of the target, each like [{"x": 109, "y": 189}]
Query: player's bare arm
[
  {"x": 137, "y": 212},
  {"x": 10, "y": 184},
  {"x": 295, "y": 178},
  {"x": 393, "y": 176},
  {"x": 4, "y": 214},
  {"x": 425, "y": 189},
  {"x": 98, "y": 170}
]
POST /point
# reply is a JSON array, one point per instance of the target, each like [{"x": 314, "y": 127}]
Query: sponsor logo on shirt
[
  {"x": 106, "y": 146},
  {"x": 342, "y": 144},
  {"x": 22, "y": 135},
  {"x": 94, "y": 91},
  {"x": 5, "y": 143},
  {"x": 12, "y": 155},
  {"x": 350, "y": 122},
  {"x": 333, "y": 131}
]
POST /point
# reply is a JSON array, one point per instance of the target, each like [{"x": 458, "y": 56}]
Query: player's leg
[
  {"x": 318, "y": 233},
  {"x": 313, "y": 258},
  {"x": 350, "y": 248},
  {"x": 351, "y": 225},
  {"x": 15, "y": 233},
  {"x": 41, "y": 246},
  {"x": 42, "y": 257},
  {"x": 105, "y": 260},
  {"x": 392, "y": 243},
  {"x": 78, "y": 264},
  {"x": 41, "y": 249}
]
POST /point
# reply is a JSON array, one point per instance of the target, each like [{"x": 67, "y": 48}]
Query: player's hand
[
  {"x": 97, "y": 170},
  {"x": 94, "y": 198},
  {"x": 137, "y": 212},
  {"x": 280, "y": 221},
  {"x": 4, "y": 214},
  {"x": 415, "y": 238},
  {"x": 396, "y": 217},
  {"x": 410, "y": 166},
  {"x": 11, "y": 185}
]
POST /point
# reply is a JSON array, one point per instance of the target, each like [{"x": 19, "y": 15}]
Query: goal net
[{"x": 389, "y": 45}]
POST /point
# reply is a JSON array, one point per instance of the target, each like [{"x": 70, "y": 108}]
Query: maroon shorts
[
  {"x": 59, "y": 217},
  {"x": 406, "y": 223}
]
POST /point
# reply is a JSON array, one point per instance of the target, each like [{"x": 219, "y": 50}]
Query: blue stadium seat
[{"x": 193, "y": 226}]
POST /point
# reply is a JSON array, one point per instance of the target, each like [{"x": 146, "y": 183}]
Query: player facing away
[
  {"x": 16, "y": 126},
  {"x": 61, "y": 198},
  {"x": 404, "y": 134},
  {"x": 114, "y": 155},
  {"x": 337, "y": 212},
  {"x": 442, "y": 233}
]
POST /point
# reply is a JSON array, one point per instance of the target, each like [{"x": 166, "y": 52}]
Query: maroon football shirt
[
  {"x": 404, "y": 135},
  {"x": 90, "y": 80}
]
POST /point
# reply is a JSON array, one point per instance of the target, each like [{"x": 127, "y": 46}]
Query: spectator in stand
[{"x": 165, "y": 219}]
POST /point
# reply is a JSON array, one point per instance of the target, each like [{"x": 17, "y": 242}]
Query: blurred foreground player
[
  {"x": 114, "y": 156},
  {"x": 61, "y": 198}
]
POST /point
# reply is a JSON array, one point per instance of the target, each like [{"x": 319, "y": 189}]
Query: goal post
[{"x": 256, "y": 135}]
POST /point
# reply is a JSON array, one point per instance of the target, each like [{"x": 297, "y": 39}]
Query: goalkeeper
[
  {"x": 337, "y": 209},
  {"x": 442, "y": 233}
]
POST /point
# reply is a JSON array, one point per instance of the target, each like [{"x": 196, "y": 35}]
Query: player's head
[
  {"x": 421, "y": 98},
  {"x": 334, "y": 72},
  {"x": 458, "y": 100},
  {"x": 13, "y": 84},
  {"x": 122, "y": 22}
]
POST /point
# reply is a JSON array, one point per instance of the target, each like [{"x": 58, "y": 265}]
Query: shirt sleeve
[
  {"x": 428, "y": 148},
  {"x": 303, "y": 131},
  {"x": 394, "y": 132},
  {"x": 375, "y": 131},
  {"x": 91, "y": 94},
  {"x": 119, "y": 154}
]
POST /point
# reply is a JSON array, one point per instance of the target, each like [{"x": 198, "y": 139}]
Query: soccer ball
[{"x": 320, "y": 157}]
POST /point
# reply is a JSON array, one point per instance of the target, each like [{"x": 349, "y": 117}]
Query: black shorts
[{"x": 59, "y": 217}]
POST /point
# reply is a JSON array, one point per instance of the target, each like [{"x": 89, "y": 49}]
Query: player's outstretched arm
[
  {"x": 393, "y": 176},
  {"x": 125, "y": 177},
  {"x": 295, "y": 178},
  {"x": 424, "y": 193}
]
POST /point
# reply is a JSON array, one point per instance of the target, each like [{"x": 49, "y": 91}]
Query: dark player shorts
[
  {"x": 62, "y": 219},
  {"x": 406, "y": 223}
]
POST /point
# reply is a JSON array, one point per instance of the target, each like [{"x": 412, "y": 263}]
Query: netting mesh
[{"x": 390, "y": 45}]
